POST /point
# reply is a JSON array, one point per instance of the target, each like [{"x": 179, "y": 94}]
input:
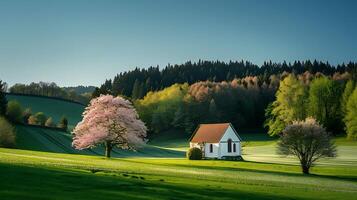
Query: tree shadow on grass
[
  {"x": 23, "y": 182},
  {"x": 149, "y": 151}
]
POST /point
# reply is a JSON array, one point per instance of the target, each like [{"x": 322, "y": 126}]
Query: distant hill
[
  {"x": 80, "y": 94},
  {"x": 54, "y": 108}
]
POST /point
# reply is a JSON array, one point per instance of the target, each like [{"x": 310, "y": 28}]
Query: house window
[
  {"x": 234, "y": 147},
  {"x": 211, "y": 148},
  {"x": 229, "y": 145}
]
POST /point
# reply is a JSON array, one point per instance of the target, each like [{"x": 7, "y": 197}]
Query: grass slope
[
  {"x": 40, "y": 175},
  {"x": 51, "y": 107},
  {"x": 40, "y": 139}
]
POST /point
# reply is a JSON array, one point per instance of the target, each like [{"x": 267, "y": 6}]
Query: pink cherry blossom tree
[{"x": 112, "y": 121}]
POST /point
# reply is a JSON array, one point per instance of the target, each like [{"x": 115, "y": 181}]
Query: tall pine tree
[
  {"x": 135, "y": 94},
  {"x": 3, "y": 100}
]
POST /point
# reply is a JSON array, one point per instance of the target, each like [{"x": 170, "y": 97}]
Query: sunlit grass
[{"x": 223, "y": 178}]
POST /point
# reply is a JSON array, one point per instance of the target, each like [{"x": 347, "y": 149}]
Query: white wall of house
[
  {"x": 214, "y": 153},
  {"x": 229, "y": 134}
]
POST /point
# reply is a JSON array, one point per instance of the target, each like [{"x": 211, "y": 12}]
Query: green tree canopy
[
  {"x": 7, "y": 134},
  {"x": 41, "y": 118},
  {"x": 351, "y": 116},
  {"x": 324, "y": 103},
  {"x": 349, "y": 87},
  {"x": 158, "y": 109},
  {"x": 14, "y": 111},
  {"x": 63, "y": 123},
  {"x": 289, "y": 105}
]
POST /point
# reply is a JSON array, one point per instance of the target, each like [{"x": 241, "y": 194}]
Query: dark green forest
[{"x": 138, "y": 82}]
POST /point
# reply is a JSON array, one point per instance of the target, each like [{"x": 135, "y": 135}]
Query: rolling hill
[
  {"x": 54, "y": 108},
  {"x": 50, "y": 140},
  {"x": 41, "y": 139}
]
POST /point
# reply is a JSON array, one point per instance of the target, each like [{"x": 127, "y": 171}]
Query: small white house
[{"x": 217, "y": 141}]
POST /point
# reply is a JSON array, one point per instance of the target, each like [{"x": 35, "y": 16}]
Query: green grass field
[
  {"x": 160, "y": 171},
  {"x": 45, "y": 166},
  {"x": 40, "y": 175}
]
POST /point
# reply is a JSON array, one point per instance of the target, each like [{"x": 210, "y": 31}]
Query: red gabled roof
[{"x": 211, "y": 133}]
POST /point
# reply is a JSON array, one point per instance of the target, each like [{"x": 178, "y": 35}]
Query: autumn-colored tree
[
  {"x": 49, "y": 122},
  {"x": 37, "y": 119},
  {"x": 41, "y": 118},
  {"x": 32, "y": 120},
  {"x": 26, "y": 115},
  {"x": 111, "y": 121}
]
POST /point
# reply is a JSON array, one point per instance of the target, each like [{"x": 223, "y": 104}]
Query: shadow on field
[
  {"x": 23, "y": 182},
  {"x": 236, "y": 168}
]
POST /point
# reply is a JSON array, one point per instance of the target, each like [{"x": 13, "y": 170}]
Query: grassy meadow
[
  {"x": 45, "y": 166},
  {"x": 160, "y": 171},
  {"x": 42, "y": 175}
]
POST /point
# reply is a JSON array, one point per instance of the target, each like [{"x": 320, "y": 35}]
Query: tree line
[
  {"x": 138, "y": 82},
  {"x": 52, "y": 90},
  {"x": 16, "y": 114}
]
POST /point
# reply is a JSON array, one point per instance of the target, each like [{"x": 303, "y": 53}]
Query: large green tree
[
  {"x": 14, "y": 111},
  {"x": 63, "y": 123},
  {"x": 290, "y": 105},
  {"x": 324, "y": 103},
  {"x": 135, "y": 94},
  {"x": 7, "y": 133},
  {"x": 349, "y": 87},
  {"x": 351, "y": 116}
]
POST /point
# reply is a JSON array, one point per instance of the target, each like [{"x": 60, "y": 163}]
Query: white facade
[{"x": 221, "y": 149}]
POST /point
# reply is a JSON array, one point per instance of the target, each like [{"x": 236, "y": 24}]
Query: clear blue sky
[{"x": 86, "y": 41}]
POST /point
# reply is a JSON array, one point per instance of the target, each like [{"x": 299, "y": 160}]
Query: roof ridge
[
  {"x": 210, "y": 132},
  {"x": 215, "y": 123}
]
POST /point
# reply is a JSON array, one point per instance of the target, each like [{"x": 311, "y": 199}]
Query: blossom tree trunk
[{"x": 108, "y": 149}]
